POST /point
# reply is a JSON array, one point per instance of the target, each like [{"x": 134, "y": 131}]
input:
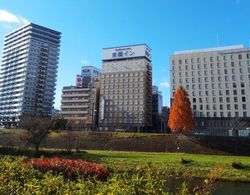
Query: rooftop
[{"x": 232, "y": 47}]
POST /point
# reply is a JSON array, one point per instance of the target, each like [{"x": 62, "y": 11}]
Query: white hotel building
[
  {"x": 28, "y": 72},
  {"x": 217, "y": 81}
]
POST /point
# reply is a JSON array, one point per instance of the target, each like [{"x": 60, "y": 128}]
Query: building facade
[
  {"x": 126, "y": 88},
  {"x": 157, "y": 106},
  {"x": 89, "y": 74},
  {"x": 217, "y": 81},
  {"x": 28, "y": 72},
  {"x": 80, "y": 106}
]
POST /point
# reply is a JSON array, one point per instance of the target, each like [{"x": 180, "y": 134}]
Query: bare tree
[{"x": 37, "y": 129}]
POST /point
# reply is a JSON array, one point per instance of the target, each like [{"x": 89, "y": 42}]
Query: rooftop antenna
[{"x": 217, "y": 40}]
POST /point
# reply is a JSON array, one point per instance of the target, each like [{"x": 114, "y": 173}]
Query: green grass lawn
[{"x": 170, "y": 163}]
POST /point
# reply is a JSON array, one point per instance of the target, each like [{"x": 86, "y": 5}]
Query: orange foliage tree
[{"x": 181, "y": 116}]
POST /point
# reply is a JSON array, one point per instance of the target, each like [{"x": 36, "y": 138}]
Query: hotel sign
[{"x": 126, "y": 52}]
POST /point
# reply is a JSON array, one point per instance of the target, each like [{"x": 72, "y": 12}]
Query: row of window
[
  {"x": 130, "y": 85},
  {"x": 220, "y": 107},
  {"x": 125, "y": 108},
  {"x": 213, "y": 86},
  {"x": 221, "y": 100},
  {"x": 121, "y": 91},
  {"x": 220, "y": 114},
  {"x": 136, "y": 79},
  {"x": 210, "y": 79},
  {"x": 212, "y": 66},
  {"x": 215, "y": 93},
  {"x": 212, "y": 59},
  {"x": 131, "y": 96},
  {"x": 117, "y": 75},
  {"x": 212, "y": 72},
  {"x": 125, "y": 102}
]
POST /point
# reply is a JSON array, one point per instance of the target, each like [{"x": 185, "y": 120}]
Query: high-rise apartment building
[
  {"x": 28, "y": 72},
  {"x": 126, "y": 88},
  {"x": 217, "y": 81}
]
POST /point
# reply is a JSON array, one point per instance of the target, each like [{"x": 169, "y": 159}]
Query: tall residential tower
[
  {"x": 126, "y": 88},
  {"x": 28, "y": 72}
]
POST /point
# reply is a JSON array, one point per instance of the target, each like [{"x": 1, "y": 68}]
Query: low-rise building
[{"x": 80, "y": 106}]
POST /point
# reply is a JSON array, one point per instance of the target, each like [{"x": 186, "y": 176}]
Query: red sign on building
[{"x": 78, "y": 81}]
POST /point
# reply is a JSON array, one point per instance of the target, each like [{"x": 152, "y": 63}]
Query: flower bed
[{"x": 69, "y": 168}]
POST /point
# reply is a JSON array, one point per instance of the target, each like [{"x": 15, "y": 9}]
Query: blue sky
[{"x": 87, "y": 26}]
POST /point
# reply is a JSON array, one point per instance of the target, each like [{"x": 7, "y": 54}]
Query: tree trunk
[{"x": 37, "y": 149}]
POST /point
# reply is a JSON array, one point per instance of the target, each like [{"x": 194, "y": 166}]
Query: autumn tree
[{"x": 181, "y": 117}]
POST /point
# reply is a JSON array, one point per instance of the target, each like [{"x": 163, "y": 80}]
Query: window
[
  {"x": 243, "y": 92},
  {"x": 243, "y": 99},
  {"x": 221, "y": 99},
  {"x": 235, "y": 92},
  {"x": 235, "y": 99},
  {"x": 244, "y": 107},
  {"x": 239, "y": 56},
  {"x": 236, "y": 106}
]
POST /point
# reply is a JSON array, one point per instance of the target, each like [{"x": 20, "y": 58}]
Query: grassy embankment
[{"x": 170, "y": 163}]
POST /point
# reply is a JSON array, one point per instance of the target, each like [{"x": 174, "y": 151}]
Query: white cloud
[
  {"x": 164, "y": 85},
  {"x": 7, "y": 19},
  {"x": 84, "y": 62}
]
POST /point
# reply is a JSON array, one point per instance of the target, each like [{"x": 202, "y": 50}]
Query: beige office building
[
  {"x": 80, "y": 106},
  {"x": 218, "y": 84},
  {"x": 126, "y": 88}
]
